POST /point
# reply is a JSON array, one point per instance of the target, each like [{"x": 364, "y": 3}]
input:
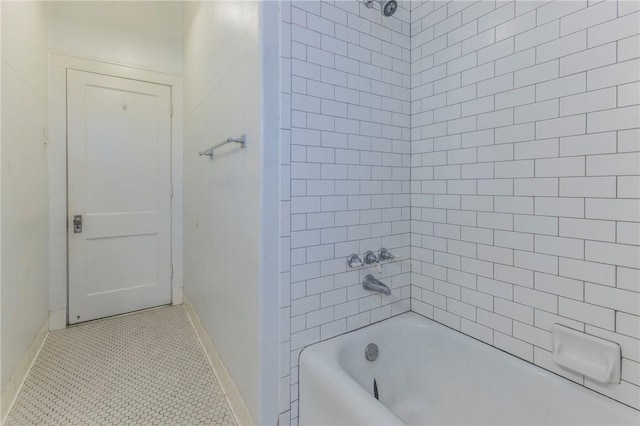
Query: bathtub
[{"x": 428, "y": 374}]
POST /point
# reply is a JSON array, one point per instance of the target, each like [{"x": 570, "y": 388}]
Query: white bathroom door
[{"x": 119, "y": 192}]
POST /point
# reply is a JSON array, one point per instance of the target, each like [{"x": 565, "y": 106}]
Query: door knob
[{"x": 77, "y": 224}]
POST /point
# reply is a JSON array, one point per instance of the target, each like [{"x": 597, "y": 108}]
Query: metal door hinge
[
  {"x": 171, "y": 272},
  {"x": 171, "y": 190},
  {"x": 171, "y": 109}
]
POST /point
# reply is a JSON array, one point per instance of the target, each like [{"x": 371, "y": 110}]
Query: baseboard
[
  {"x": 177, "y": 296},
  {"x": 240, "y": 411},
  {"x": 57, "y": 319},
  {"x": 12, "y": 389}
]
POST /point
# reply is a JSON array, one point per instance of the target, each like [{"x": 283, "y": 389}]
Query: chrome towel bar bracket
[{"x": 241, "y": 140}]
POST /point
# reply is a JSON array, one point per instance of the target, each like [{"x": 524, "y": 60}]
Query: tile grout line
[{"x": 126, "y": 371}]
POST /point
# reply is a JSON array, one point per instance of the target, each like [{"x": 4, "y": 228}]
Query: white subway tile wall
[
  {"x": 525, "y": 164},
  {"x": 346, "y": 153},
  {"x": 492, "y": 146}
]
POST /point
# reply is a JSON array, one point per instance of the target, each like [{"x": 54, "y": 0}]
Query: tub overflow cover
[{"x": 371, "y": 352}]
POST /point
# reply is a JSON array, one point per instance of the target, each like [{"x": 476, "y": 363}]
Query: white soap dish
[{"x": 585, "y": 354}]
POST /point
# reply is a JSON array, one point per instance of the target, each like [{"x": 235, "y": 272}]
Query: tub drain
[{"x": 371, "y": 352}]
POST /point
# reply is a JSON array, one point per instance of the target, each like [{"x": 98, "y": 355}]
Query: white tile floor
[{"x": 146, "y": 368}]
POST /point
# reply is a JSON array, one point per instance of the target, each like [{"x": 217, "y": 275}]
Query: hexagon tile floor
[{"x": 146, "y": 368}]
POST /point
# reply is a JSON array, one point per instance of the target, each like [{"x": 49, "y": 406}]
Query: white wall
[
  {"x": 146, "y": 35},
  {"x": 272, "y": 154},
  {"x": 345, "y": 172},
  {"x": 143, "y": 34},
  {"x": 526, "y": 193},
  {"x": 222, "y": 208},
  {"x": 24, "y": 179}
]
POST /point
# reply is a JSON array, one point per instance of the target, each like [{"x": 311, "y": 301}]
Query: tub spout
[{"x": 371, "y": 283}]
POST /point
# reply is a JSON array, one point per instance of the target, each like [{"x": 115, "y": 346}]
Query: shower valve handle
[
  {"x": 354, "y": 261},
  {"x": 385, "y": 254},
  {"x": 370, "y": 258}
]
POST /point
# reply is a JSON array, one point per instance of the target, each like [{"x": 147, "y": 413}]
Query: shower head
[{"x": 388, "y": 7}]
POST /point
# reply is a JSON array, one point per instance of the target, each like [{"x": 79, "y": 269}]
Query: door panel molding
[
  {"x": 118, "y": 162},
  {"x": 58, "y": 66}
]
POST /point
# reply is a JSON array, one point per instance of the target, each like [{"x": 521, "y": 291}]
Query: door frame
[{"x": 58, "y": 202}]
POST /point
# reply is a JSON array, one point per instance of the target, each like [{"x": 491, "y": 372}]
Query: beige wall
[
  {"x": 145, "y": 34},
  {"x": 221, "y": 72},
  {"x": 24, "y": 190}
]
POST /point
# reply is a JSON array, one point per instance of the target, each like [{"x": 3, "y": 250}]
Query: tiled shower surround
[
  {"x": 493, "y": 146},
  {"x": 524, "y": 149},
  {"x": 347, "y": 136}
]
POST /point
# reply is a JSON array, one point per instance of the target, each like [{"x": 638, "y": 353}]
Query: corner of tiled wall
[
  {"x": 514, "y": 128},
  {"x": 284, "y": 368},
  {"x": 525, "y": 178},
  {"x": 347, "y": 88}
]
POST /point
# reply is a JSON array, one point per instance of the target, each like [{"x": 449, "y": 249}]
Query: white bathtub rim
[
  {"x": 415, "y": 319},
  {"x": 361, "y": 399}
]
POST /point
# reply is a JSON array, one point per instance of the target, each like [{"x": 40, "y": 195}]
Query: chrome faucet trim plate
[
  {"x": 369, "y": 258},
  {"x": 371, "y": 352}
]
